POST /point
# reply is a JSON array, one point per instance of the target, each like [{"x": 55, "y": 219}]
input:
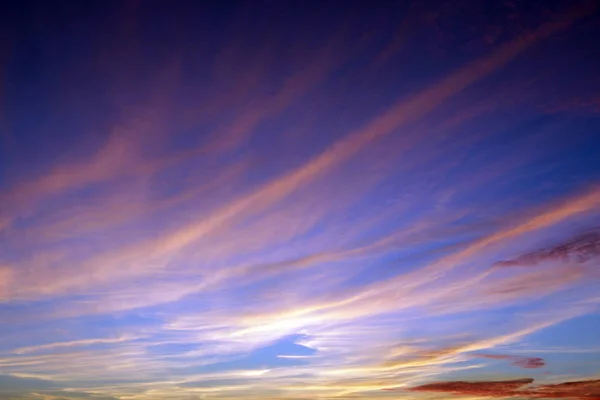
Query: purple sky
[{"x": 299, "y": 200}]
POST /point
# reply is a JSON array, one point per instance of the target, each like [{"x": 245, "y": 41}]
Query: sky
[{"x": 298, "y": 200}]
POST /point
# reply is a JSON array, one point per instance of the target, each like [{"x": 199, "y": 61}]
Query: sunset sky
[{"x": 299, "y": 200}]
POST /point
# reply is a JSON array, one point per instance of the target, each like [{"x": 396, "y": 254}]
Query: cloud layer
[
  {"x": 299, "y": 203},
  {"x": 518, "y": 388}
]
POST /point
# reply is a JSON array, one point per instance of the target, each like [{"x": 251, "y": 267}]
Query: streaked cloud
[
  {"x": 568, "y": 390},
  {"x": 524, "y": 362},
  {"x": 329, "y": 208}
]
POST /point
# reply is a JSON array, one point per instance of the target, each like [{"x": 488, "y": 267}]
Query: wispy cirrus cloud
[
  {"x": 254, "y": 223},
  {"x": 74, "y": 343}
]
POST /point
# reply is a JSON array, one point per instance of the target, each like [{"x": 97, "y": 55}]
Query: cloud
[
  {"x": 579, "y": 249},
  {"x": 217, "y": 218},
  {"x": 74, "y": 343},
  {"x": 14, "y": 383},
  {"x": 523, "y": 362},
  {"x": 6, "y": 274},
  {"x": 577, "y": 389},
  {"x": 517, "y": 388},
  {"x": 151, "y": 256},
  {"x": 18, "y": 387},
  {"x": 482, "y": 388}
]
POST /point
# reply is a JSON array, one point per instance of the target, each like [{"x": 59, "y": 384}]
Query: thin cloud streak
[{"x": 74, "y": 343}]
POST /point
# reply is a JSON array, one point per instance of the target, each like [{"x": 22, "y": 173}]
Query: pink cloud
[{"x": 523, "y": 362}]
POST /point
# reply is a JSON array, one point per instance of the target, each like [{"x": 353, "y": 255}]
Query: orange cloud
[
  {"x": 582, "y": 390},
  {"x": 482, "y": 388}
]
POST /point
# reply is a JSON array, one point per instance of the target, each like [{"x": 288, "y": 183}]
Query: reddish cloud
[
  {"x": 482, "y": 388},
  {"x": 523, "y": 362},
  {"x": 581, "y": 390},
  {"x": 579, "y": 249},
  {"x": 589, "y": 390},
  {"x": 534, "y": 362}
]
